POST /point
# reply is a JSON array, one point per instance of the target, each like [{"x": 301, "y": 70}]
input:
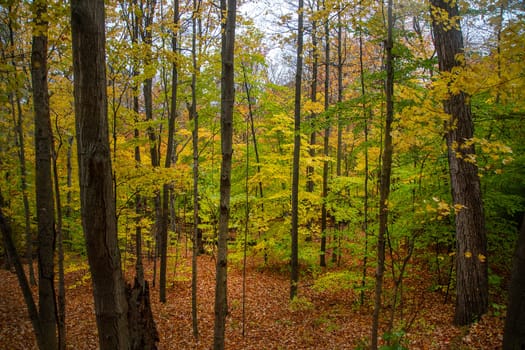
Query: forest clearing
[{"x": 325, "y": 320}]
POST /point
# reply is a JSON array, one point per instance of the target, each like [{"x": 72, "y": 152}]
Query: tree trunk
[
  {"x": 386, "y": 168},
  {"x": 193, "y": 115},
  {"x": 167, "y": 163},
  {"x": 24, "y": 285},
  {"x": 228, "y": 8},
  {"x": 294, "y": 260},
  {"x": 252, "y": 127},
  {"x": 313, "y": 96},
  {"x": 139, "y": 267},
  {"x": 365, "y": 185},
  {"x": 514, "y": 334},
  {"x": 143, "y": 333},
  {"x": 61, "y": 297},
  {"x": 96, "y": 190},
  {"x": 471, "y": 241},
  {"x": 326, "y": 138},
  {"x": 44, "y": 182}
]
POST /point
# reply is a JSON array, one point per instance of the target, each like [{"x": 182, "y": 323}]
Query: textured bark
[
  {"x": 471, "y": 241},
  {"x": 514, "y": 334},
  {"x": 386, "y": 170},
  {"x": 43, "y": 178},
  {"x": 326, "y": 138},
  {"x": 294, "y": 259},
  {"x": 96, "y": 187},
  {"x": 143, "y": 333},
  {"x": 193, "y": 115},
  {"x": 228, "y": 8}
]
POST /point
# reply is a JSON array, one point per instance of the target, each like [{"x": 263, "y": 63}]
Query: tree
[
  {"x": 386, "y": 170},
  {"x": 514, "y": 334},
  {"x": 471, "y": 241},
  {"x": 294, "y": 260},
  {"x": 96, "y": 187},
  {"x": 193, "y": 115},
  {"x": 169, "y": 156},
  {"x": 326, "y": 137},
  {"x": 228, "y": 8},
  {"x": 44, "y": 181},
  {"x": 9, "y": 246}
]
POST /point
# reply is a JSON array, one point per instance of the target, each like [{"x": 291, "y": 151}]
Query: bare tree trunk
[
  {"x": 326, "y": 138},
  {"x": 195, "y": 140},
  {"x": 61, "y": 297},
  {"x": 139, "y": 267},
  {"x": 313, "y": 96},
  {"x": 168, "y": 160},
  {"x": 471, "y": 240},
  {"x": 44, "y": 182},
  {"x": 22, "y": 280},
  {"x": 96, "y": 190},
  {"x": 337, "y": 254},
  {"x": 294, "y": 261},
  {"x": 252, "y": 126},
  {"x": 69, "y": 179},
  {"x": 514, "y": 334},
  {"x": 228, "y": 8},
  {"x": 386, "y": 168},
  {"x": 365, "y": 186}
]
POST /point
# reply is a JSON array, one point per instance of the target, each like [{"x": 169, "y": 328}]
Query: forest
[{"x": 271, "y": 174}]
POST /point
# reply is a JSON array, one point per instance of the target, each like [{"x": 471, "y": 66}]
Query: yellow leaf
[
  {"x": 468, "y": 255},
  {"x": 482, "y": 258}
]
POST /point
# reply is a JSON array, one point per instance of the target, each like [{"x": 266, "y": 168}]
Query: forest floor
[{"x": 318, "y": 320}]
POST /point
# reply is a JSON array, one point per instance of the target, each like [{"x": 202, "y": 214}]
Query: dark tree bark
[
  {"x": 337, "y": 253},
  {"x": 143, "y": 333},
  {"x": 169, "y": 156},
  {"x": 134, "y": 33},
  {"x": 22, "y": 280},
  {"x": 228, "y": 8},
  {"x": 514, "y": 334},
  {"x": 313, "y": 96},
  {"x": 247, "y": 90},
  {"x": 366, "y": 115},
  {"x": 326, "y": 138},
  {"x": 194, "y": 116},
  {"x": 147, "y": 12},
  {"x": 61, "y": 295},
  {"x": 294, "y": 259},
  {"x": 471, "y": 241},
  {"x": 12, "y": 255},
  {"x": 43, "y": 177},
  {"x": 96, "y": 188},
  {"x": 146, "y": 16},
  {"x": 386, "y": 169}
]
